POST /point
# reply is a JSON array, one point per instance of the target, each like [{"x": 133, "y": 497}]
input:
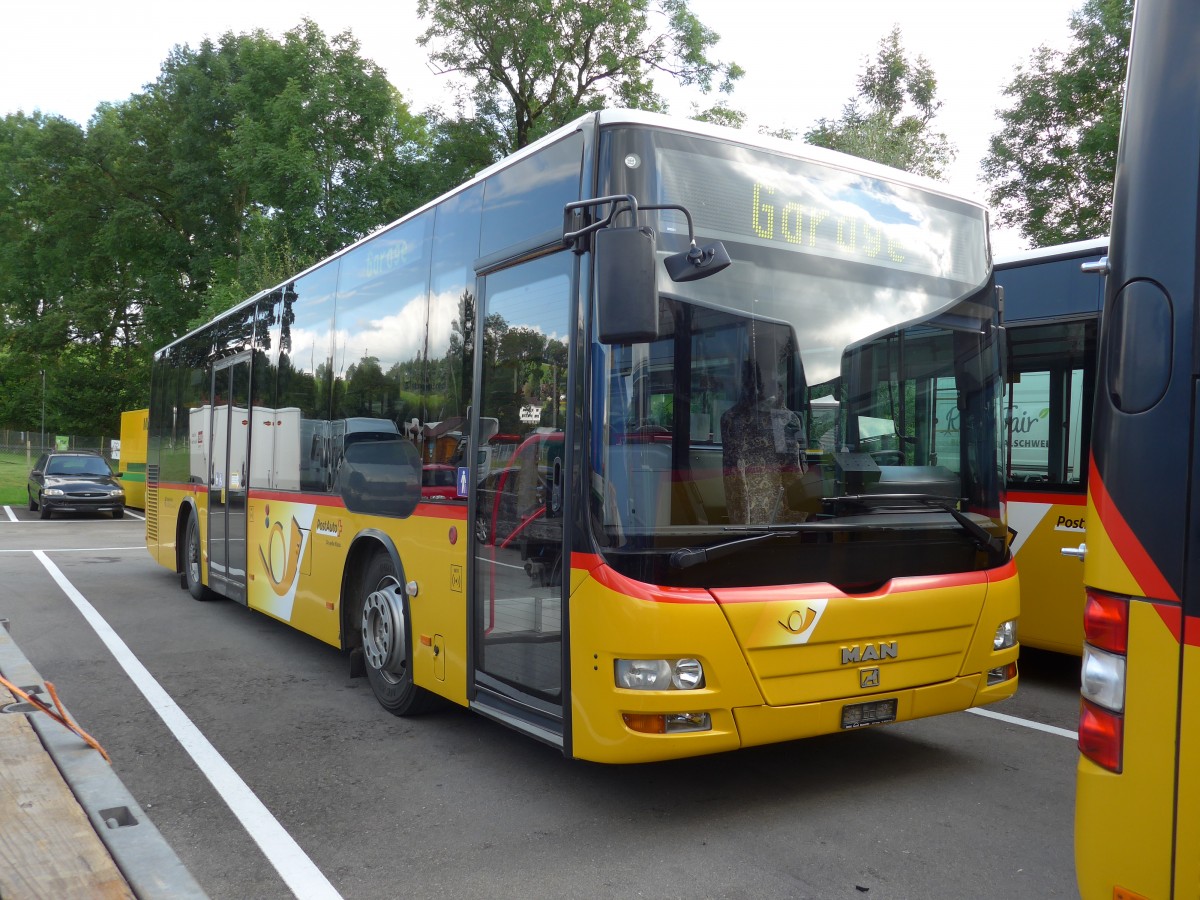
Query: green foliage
[
  {"x": 246, "y": 160},
  {"x": 1052, "y": 165},
  {"x": 891, "y": 119},
  {"x": 532, "y": 65}
]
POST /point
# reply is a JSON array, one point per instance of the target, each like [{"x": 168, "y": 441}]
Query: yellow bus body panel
[
  {"x": 1052, "y": 594},
  {"x": 132, "y": 463},
  {"x": 757, "y": 688},
  {"x": 1123, "y": 823},
  {"x": 162, "y": 522},
  {"x": 1104, "y": 568},
  {"x": 1187, "y": 837},
  {"x": 762, "y": 685},
  {"x": 297, "y": 552}
]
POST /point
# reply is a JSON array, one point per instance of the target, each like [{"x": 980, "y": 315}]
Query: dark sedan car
[{"x": 74, "y": 481}]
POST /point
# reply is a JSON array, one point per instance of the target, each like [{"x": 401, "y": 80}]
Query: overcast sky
[{"x": 802, "y": 58}]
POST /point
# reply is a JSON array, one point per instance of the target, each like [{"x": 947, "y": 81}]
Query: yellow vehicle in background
[
  {"x": 1052, "y": 304},
  {"x": 131, "y": 464}
]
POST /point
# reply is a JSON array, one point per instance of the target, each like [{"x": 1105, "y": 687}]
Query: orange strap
[{"x": 61, "y": 716}]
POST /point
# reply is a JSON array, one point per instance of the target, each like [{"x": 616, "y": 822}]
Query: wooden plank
[{"x": 48, "y": 848}]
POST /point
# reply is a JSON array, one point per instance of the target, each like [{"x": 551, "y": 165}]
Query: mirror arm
[{"x": 570, "y": 237}]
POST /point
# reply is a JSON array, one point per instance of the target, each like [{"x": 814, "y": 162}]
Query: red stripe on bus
[
  {"x": 185, "y": 486},
  {"x": 442, "y": 510},
  {"x": 615, "y": 581},
  {"x": 1047, "y": 497},
  {"x": 1130, "y": 549},
  {"x": 1172, "y": 617},
  {"x": 297, "y": 497},
  {"x": 901, "y": 585},
  {"x": 1191, "y": 627}
]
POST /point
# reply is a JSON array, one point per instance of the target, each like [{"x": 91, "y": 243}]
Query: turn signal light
[{"x": 670, "y": 723}]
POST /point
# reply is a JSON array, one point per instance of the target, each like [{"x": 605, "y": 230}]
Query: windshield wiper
[
  {"x": 686, "y": 557},
  {"x": 982, "y": 537}
]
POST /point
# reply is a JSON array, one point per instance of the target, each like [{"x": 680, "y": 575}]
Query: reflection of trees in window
[{"x": 524, "y": 368}]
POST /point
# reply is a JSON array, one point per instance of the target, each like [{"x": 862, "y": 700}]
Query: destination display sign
[{"x": 809, "y": 207}]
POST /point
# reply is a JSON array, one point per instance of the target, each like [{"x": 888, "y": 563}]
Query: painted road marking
[
  {"x": 1025, "y": 723},
  {"x": 290, "y": 861}
]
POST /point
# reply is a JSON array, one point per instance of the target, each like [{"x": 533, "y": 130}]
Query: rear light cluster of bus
[
  {"x": 685, "y": 674},
  {"x": 1102, "y": 679}
]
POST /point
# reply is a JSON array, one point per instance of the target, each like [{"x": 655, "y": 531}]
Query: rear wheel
[
  {"x": 191, "y": 562},
  {"x": 32, "y": 502},
  {"x": 386, "y": 641}
]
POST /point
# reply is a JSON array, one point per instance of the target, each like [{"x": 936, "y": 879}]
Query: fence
[{"x": 33, "y": 443}]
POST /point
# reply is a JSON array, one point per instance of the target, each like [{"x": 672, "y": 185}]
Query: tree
[
  {"x": 532, "y": 65},
  {"x": 245, "y": 161},
  {"x": 1051, "y": 167},
  {"x": 891, "y": 119}
]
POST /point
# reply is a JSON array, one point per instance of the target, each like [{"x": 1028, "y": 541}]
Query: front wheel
[
  {"x": 386, "y": 641},
  {"x": 119, "y": 512},
  {"x": 43, "y": 509},
  {"x": 191, "y": 562}
]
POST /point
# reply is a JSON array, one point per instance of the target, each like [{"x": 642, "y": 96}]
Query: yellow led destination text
[{"x": 812, "y": 226}]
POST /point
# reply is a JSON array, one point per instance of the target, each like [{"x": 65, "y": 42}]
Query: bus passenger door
[
  {"x": 519, "y": 559},
  {"x": 227, "y": 476}
]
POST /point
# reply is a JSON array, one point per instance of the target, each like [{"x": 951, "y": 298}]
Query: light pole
[{"x": 43, "y": 410}]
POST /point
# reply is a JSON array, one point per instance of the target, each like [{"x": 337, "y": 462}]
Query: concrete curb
[{"x": 149, "y": 865}]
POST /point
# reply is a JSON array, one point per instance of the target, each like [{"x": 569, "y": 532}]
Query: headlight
[
  {"x": 1006, "y": 635},
  {"x": 53, "y": 492},
  {"x": 685, "y": 674},
  {"x": 117, "y": 493}
]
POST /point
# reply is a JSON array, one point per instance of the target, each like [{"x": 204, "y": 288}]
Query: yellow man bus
[
  {"x": 1051, "y": 314},
  {"x": 1137, "y": 813},
  {"x": 653, "y": 549}
]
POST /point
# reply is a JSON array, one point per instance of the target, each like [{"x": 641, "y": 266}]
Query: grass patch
[{"x": 14, "y": 474}]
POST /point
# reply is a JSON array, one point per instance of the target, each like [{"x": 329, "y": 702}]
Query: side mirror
[
  {"x": 626, "y": 293},
  {"x": 697, "y": 262}
]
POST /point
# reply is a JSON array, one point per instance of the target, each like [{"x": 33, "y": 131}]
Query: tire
[
  {"x": 191, "y": 562},
  {"x": 32, "y": 502},
  {"x": 483, "y": 532},
  {"x": 394, "y": 688},
  {"x": 43, "y": 510},
  {"x": 119, "y": 512}
]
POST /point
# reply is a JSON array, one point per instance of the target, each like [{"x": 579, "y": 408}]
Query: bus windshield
[{"x": 850, "y": 351}]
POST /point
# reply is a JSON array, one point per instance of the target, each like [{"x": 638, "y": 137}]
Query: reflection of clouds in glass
[
  {"x": 391, "y": 339},
  {"x": 443, "y": 311},
  {"x": 309, "y": 349}
]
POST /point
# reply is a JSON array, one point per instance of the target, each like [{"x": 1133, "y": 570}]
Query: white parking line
[
  {"x": 12, "y": 516},
  {"x": 290, "y": 861},
  {"x": 77, "y": 549},
  {"x": 1025, "y": 723}
]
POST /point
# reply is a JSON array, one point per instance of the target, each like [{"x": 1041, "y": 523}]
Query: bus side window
[{"x": 1052, "y": 376}]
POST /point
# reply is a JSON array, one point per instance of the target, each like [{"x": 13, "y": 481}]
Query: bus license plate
[{"x": 874, "y": 713}]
